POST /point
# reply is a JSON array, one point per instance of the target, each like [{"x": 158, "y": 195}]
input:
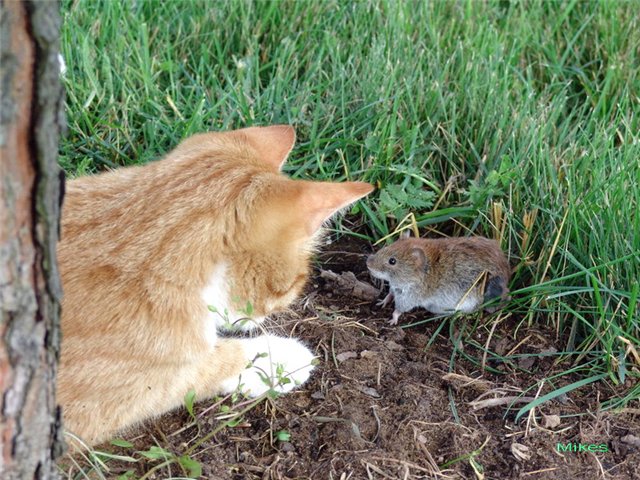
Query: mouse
[{"x": 443, "y": 275}]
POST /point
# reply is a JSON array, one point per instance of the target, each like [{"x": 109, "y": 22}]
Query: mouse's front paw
[
  {"x": 274, "y": 363},
  {"x": 386, "y": 301}
]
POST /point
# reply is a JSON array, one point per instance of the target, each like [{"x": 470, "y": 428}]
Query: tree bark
[{"x": 31, "y": 117}]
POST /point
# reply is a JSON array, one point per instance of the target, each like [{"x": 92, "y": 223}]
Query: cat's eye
[{"x": 392, "y": 261}]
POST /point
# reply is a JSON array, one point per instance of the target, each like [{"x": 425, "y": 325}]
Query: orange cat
[{"x": 145, "y": 250}]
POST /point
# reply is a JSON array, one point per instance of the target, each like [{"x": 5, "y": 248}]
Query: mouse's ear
[
  {"x": 273, "y": 144},
  {"x": 421, "y": 259}
]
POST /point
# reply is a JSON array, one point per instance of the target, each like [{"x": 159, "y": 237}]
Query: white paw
[
  {"x": 274, "y": 363},
  {"x": 394, "y": 318}
]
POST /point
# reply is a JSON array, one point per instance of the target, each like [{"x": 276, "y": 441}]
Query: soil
[{"x": 402, "y": 403}]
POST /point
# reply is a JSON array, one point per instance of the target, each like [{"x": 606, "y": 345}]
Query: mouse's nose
[{"x": 369, "y": 259}]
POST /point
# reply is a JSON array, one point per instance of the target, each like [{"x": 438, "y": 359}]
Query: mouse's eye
[{"x": 392, "y": 261}]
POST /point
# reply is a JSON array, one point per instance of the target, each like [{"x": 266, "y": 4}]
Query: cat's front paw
[{"x": 274, "y": 363}]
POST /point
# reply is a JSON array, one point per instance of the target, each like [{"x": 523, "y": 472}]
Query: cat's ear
[
  {"x": 273, "y": 144},
  {"x": 318, "y": 201}
]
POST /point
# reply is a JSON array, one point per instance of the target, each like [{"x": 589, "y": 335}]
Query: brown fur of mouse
[
  {"x": 144, "y": 251},
  {"x": 441, "y": 275}
]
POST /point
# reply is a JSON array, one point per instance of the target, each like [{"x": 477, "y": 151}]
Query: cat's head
[{"x": 279, "y": 222}]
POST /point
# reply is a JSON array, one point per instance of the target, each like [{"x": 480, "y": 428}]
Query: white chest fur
[{"x": 215, "y": 295}]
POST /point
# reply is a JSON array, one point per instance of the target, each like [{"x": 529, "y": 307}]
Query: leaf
[
  {"x": 272, "y": 394},
  {"x": 387, "y": 201},
  {"x": 234, "y": 422},
  {"x": 478, "y": 469},
  {"x": 156, "y": 453},
  {"x": 189, "y": 398},
  {"x": 550, "y": 421},
  {"x": 622, "y": 366},
  {"x": 396, "y": 198},
  {"x": 193, "y": 467},
  {"x": 371, "y": 142},
  {"x": 265, "y": 379},
  {"x": 557, "y": 393},
  {"x": 418, "y": 198},
  {"x": 283, "y": 436},
  {"x": 100, "y": 456},
  {"x": 128, "y": 475},
  {"x": 119, "y": 442},
  {"x": 418, "y": 202}
]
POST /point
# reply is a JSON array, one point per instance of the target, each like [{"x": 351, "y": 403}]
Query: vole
[{"x": 441, "y": 275}]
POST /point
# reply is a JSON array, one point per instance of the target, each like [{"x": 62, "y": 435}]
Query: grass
[{"x": 515, "y": 120}]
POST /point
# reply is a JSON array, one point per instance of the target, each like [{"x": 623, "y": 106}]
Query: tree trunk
[{"x": 30, "y": 196}]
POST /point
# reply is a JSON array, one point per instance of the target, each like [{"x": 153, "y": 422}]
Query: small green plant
[
  {"x": 494, "y": 186},
  {"x": 224, "y": 315},
  {"x": 246, "y": 310},
  {"x": 397, "y": 199},
  {"x": 283, "y": 436},
  {"x": 191, "y": 468},
  {"x": 97, "y": 462},
  {"x": 407, "y": 190},
  {"x": 471, "y": 457},
  {"x": 189, "y": 399}
]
